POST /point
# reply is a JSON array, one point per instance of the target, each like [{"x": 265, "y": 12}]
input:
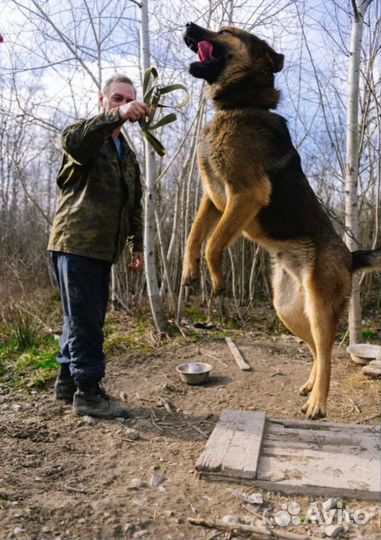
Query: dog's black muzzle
[
  {"x": 210, "y": 69},
  {"x": 193, "y": 34}
]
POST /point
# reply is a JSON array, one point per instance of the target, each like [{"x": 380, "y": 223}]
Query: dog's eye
[{"x": 224, "y": 33}]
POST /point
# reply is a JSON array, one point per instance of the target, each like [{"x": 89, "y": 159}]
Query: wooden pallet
[{"x": 299, "y": 457}]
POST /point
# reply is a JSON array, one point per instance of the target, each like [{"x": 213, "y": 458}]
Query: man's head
[{"x": 116, "y": 91}]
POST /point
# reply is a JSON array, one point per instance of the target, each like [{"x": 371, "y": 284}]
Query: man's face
[{"x": 118, "y": 94}]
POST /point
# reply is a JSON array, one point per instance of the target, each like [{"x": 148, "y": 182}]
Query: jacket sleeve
[
  {"x": 83, "y": 139},
  {"x": 136, "y": 219}
]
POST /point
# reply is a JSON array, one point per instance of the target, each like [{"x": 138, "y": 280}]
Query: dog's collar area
[{"x": 248, "y": 92}]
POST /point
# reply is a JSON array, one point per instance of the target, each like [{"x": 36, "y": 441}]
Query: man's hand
[
  {"x": 137, "y": 261},
  {"x": 134, "y": 111}
]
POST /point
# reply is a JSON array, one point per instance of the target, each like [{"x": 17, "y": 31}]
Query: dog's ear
[
  {"x": 276, "y": 59},
  {"x": 260, "y": 49}
]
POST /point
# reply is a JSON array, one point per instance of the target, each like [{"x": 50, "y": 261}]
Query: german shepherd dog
[{"x": 254, "y": 185}]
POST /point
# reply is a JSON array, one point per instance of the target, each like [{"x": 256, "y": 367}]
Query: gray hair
[{"x": 115, "y": 79}]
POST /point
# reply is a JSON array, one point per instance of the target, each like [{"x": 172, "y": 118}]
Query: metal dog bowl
[
  {"x": 362, "y": 353},
  {"x": 194, "y": 372}
]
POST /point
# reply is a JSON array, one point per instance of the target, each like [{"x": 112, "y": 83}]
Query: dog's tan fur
[{"x": 244, "y": 156}]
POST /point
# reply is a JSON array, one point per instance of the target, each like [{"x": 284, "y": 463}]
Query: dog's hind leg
[
  {"x": 306, "y": 388},
  {"x": 206, "y": 219},
  {"x": 240, "y": 209},
  {"x": 289, "y": 304},
  {"x": 323, "y": 322}
]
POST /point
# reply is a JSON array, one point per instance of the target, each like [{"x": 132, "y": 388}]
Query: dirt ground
[{"x": 64, "y": 477}]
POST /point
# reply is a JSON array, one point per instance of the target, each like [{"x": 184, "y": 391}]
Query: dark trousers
[{"x": 84, "y": 288}]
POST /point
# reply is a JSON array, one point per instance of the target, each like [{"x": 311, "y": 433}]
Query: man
[{"x": 99, "y": 207}]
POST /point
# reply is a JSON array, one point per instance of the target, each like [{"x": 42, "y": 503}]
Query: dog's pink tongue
[{"x": 205, "y": 51}]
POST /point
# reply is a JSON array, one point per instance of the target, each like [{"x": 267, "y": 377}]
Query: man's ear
[
  {"x": 100, "y": 100},
  {"x": 276, "y": 59}
]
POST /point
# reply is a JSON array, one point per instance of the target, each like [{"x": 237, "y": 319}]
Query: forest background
[{"x": 53, "y": 61}]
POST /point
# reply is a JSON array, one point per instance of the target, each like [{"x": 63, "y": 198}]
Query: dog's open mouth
[
  {"x": 205, "y": 51},
  {"x": 211, "y": 55}
]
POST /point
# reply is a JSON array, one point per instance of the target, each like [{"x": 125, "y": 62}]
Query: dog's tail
[{"x": 366, "y": 260}]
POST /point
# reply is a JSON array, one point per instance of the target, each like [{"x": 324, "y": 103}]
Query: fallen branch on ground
[{"x": 261, "y": 532}]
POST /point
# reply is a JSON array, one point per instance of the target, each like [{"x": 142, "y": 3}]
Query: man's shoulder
[
  {"x": 96, "y": 122},
  {"x": 76, "y": 123}
]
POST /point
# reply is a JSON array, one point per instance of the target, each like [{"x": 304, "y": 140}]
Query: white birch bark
[
  {"x": 153, "y": 291},
  {"x": 352, "y": 159}
]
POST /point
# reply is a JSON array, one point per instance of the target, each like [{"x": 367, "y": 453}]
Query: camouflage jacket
[{"x": 99, "y": 203}]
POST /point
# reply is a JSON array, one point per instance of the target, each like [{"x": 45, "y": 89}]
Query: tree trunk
[
  {"x": 150, "y": 199},
  {"x": 352, "y": 162}
]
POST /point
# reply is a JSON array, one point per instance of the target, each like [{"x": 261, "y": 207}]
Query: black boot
[
  {"x": 65, "y": 387},
  {"x": 91, "y": 400}
]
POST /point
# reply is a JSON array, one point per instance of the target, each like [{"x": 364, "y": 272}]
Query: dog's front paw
[
  {"x": 218, "y": 285},
  {"x": 190, "y": 273},
  {"x": 306, "y": 388},
  {"x": 314, "y": 407}
]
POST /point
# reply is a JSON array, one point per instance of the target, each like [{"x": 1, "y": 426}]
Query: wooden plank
[
  {"x": 244, "y": 449},
  {"x": 344, "y": 462},
  {"x": 307, "y": 424},
  {"x": 313, "y": 491},
  {"x": 319, "y": 438},
  {"x": 242, "y": 364},
  {"x": 234, "y": 445},
  {"x": 218, "y": 443},
  {"x": 298, "y": 457}
]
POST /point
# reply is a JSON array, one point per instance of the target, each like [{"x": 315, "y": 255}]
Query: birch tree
[
  {"x": 352, "y": 160},
  {"x": 150, "y": 198}
]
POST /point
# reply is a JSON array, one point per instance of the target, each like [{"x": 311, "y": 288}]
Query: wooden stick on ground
[
  {"x": 205, "y": 435},
  {"x": 261, "y": 532},
  {"x": 237, "y": 355}
]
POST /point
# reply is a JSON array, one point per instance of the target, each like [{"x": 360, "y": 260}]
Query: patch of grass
[
  {"x": 2, "y": 367},
  {"x": 27, "y": 362},
  {"x": 217, "y": 334},
  {"x": 123, "y": 335},
  {"x": 195, "y": 313},
  {"x": 194, "y": 336},
  {"x": 22, "y": 332},
  {"x": 120, "y": 340},
  {"x": 232, "y": 323},
  {"x": 367, "y": 334},
  {"x": 140, "y": 329},
  {"x": 37, "y": 366}
]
